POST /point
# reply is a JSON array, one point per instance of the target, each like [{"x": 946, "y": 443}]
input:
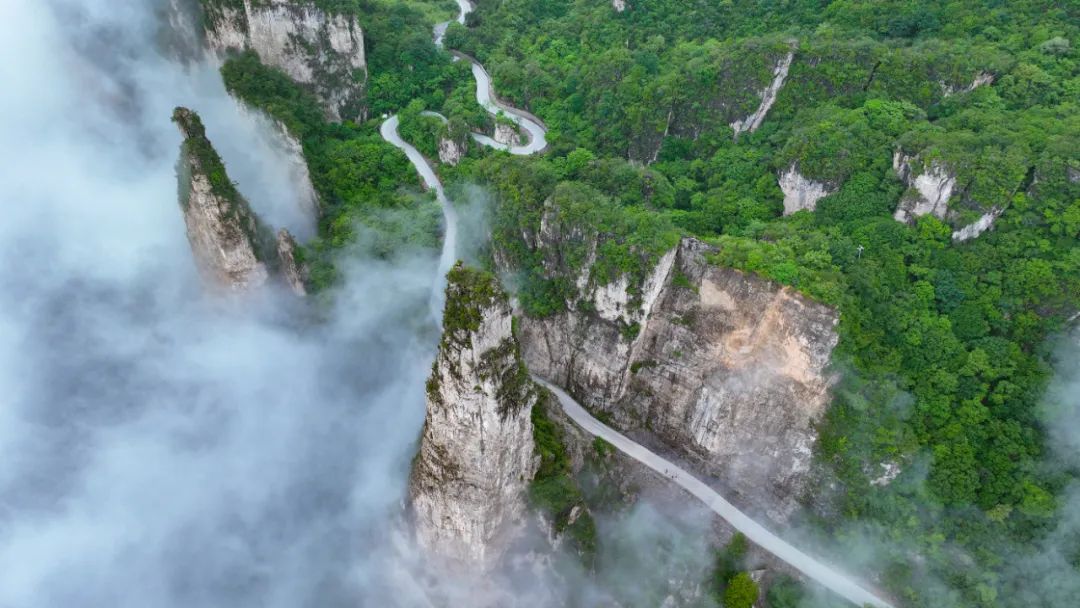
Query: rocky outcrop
[
  {"x": 229, "y": 243},
  {"x": 981, "y": 79},
  {"x": 299, "y": 173},
  {"x": 768, "y": 97},
  {"x": 507, "y": 134},
  {"x": 233, "y": 249},
  {"x": 929, "y": 189},
  {"x": 467, "y": 490},
  {"x": 727, "y": 368},
  {"x": 801, "y": 193},
  {"x": 321, "y": 49},
  {"x": 450, "y": 151},
  {"x": 293, "y": 271},
  {"x": 979, "y": 226},
  {"x": 1072, "y": 174},
  {"x": 180, "y": 30},
  {"x": 618, "y": 5}
]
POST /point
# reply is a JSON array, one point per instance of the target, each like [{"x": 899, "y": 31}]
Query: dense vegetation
[
  {"x": 553, "y": 489},
  {"x": 942, "y": 343}
]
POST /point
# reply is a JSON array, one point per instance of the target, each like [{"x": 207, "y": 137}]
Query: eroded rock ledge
[{"x": 468, "y": 486}]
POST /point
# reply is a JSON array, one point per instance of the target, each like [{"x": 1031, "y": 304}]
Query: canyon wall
[
  {"x": 321, "y": 49},
  {"x": 725, "y": 368},
  {"x": 468, "y": 485}
]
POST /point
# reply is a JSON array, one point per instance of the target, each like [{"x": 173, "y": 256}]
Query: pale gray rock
[
  {"x": 618, "y": 5},
  {"x": 227, "y": 239},
  {"x": 726, "y": 368},
  {"x": 929, "y": 189},
  {"x": 312, "y": 46},
  {"x": 451, "y": 152},
  {"x": 476, "y": 458},
  {"x": 889, "y": 471},
  {"x": 507, "y": 135},
  {"x": 292, "y": 271},
  {"x": 768, "y": 97},
  {"x": 979, "y": 226},
  {"x": 1073, "y": 174},
  {"x": 981, "y": 79},
  {"x": 801, "y": 193}
]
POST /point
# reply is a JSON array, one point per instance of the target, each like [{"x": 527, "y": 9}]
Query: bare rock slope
[
  {"x": 315, "y": 47},
  {"x": 724, "y": 367}
]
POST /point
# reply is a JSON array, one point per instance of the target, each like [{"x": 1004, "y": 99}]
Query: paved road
[
  {"x": 389, "y": 132},
  {"x": 826, "y": 575}
]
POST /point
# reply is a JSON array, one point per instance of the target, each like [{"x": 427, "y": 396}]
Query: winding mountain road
[
  {"x": 824, "y": 574},
  {"x": 828, "y": 576}
]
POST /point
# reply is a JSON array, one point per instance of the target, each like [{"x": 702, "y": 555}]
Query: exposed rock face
[
  {"x": 451, "y": 152},
  {"x": 1073, "y": 174},
  {"x": 768, "y": 97},
  {"x": 467, "y": 489},
  {"x": 800, "y": 192},
  {"x": 293, "y": 271},
  {"x": 727, "y": 368},
  {"x": 931, "y": 189},
  {"x": 979, "y": 226},
  {"x": 299, "y": 171},
  {"x": 981, "y": 79},
  {"x": 227, "y": 239},
  {"x": 618, "y": 5},
  {"x": 507, "y": 135},
  {"x": 312, "y": 46}
]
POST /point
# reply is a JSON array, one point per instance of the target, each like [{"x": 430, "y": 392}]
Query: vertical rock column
[
  {"x": 468, "y": 484},
  {"x": 231, "y": 247}
]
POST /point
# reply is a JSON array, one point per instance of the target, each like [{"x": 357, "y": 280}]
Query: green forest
[{"x": 946, "y": 346}]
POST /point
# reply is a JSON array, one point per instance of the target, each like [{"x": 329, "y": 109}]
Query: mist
[
  {"x": 159, "y": 447},
  {"x": 162, "y": 447}
]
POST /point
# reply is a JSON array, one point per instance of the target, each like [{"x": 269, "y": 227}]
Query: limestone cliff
[
  {"x": 768, "y": 97},
  {"x": 230, "y": 245},
  {"x": 321, "y": 49},
  {"x": 293, "y": 270},
  {"x": 451, "y": 151},
  {"x": 726, "y": 368},
  {"x": 507, "y": 134},
  {"x": 801, "y": 193},
  {"x": 476, "y": 458},
  {"x": 929, "y": 189}
]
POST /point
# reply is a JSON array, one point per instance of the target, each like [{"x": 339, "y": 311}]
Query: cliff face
[
  {"x": 930, "y": 189},
  {"x": 227, "y": 239},
  {"x": 801, "y": 193},
  {"x": 726, "y": 368},
  {"x": 467, "y": 490},
  {"x": 768, "y": 97},
  {"x": 314, "y": 47}
]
